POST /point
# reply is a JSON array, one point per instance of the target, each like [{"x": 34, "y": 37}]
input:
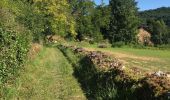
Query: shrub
[
  {"x": 139, "y": 46},
  {"x": 13, "y": 51},
  {"x": 104, "y": 44},
  {"x": 14, "y": 45},
  {"x": 118, "y": 44},
  {"x": 164, "y": 46}
]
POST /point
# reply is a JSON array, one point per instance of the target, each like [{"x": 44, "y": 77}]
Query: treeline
[
  {"x": 160, "y": 33},
  {"x": 82, "y": 20},
  {"x": 78, "y": 19},
  {"x": 115, "y": 22},
  {"x": 162, "y": 13},
  {"x": 118, "y": 22}
]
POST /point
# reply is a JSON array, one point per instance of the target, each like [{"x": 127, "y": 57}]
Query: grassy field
[
  {"x": 145, "y": 59},
  {"x": 48, "y": 77}
]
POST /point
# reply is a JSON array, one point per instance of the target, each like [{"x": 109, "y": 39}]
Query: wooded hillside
[{"x": 158, "y": 14}]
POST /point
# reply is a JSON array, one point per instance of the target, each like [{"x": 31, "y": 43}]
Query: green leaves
[
  {"x": 58, "y": 15},
  {"x": 159, "y": 31},
  {"x": 91, "y": 20},
  {"x": 13, "y": 53},
  {"x": 14, "y": 43},
  {"x": 124, "y": 20}
]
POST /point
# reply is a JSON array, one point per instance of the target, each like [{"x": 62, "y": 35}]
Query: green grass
[
  {"x": 48, "y": 77},
  {"x": 159, "y": 59},
  {"x": 144, "y": 52}
]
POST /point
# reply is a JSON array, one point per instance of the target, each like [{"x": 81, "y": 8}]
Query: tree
[
  {"x": 91, "y": 20},
  {"x": 57, "y": 13},
  {"x": 159, "y": 31},
  {"x": 101, "y": 19},
  {"x": 124, "y": 21},
  {"x": 162, "y": 13},
  {"x": 82, "y": 10}
]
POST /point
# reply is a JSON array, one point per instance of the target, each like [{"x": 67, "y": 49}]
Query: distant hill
[{"x": 160, "y": 13}]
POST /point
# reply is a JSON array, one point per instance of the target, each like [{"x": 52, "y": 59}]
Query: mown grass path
[{"x": 49, "y": 77}]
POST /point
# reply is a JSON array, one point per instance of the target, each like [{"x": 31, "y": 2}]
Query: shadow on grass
[
  {"x": 100, "y": 85},
  {"x": 95, "y": 84}
]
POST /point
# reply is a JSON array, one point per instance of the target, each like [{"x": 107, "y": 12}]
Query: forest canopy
[{"x": 158, "y": 14}]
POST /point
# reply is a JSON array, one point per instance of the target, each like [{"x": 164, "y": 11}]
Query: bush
[
  {"x": 164, "y": 46},
  {"x": 138, "y": 46},
  {"x": 118, "y": 44},
  {"x": 14, "y": 45},
  {"x": 104, "y": 44},
  {"x": 13, "y": 52}
]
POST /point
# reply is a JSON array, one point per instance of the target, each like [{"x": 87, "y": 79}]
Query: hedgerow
[
  {"x": 13, "y": 52},
  {"x": 15, "y": 41}
]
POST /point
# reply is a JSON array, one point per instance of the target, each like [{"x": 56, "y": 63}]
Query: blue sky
[{"x": 146, "y": 4}]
